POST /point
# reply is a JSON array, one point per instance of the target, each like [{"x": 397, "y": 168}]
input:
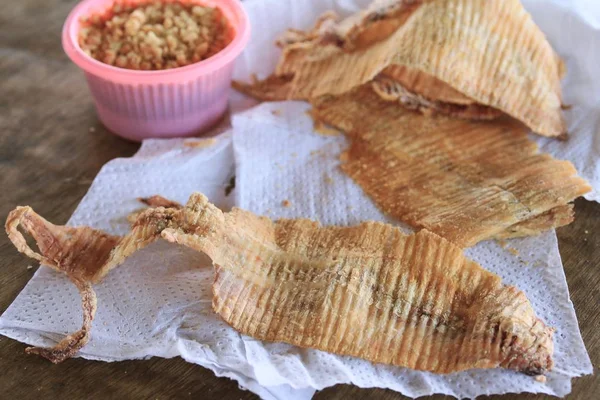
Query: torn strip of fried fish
[
  {"x": 490, "y": 51},
  {"x": 378, "y": 21},
  {"x": 327, "y": 39},
  {"x": 85, "y": 255},
  {"x": 464, "y": 180},
  {"x": 367, "y": 291},
  {"x": 391, "y": 90}
]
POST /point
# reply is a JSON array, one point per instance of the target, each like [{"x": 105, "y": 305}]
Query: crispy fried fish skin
[
  {"x": 418, "y": 301},
  {"x": 368, "y": 291},
  {"x": 328, "y": 38},
  {"x": 489, "y": 50},
  {"x": 466, "y": 181},
  {"x": 85, "y": 255}
]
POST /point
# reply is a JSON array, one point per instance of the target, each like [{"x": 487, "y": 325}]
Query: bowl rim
[{"x": 231, "y": 8}]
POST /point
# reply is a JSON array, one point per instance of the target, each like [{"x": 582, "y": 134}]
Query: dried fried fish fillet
[
  {"x": 152, "y": 201},
  {"x": 418, "y": 301},
  {"x": 361, "y": 29},
  {"x": 391, "y": 90},
  {"x": 466, "y": 181},
  {"x": 328, "y": 38},
  {"x": 85, "y": 255},
  {"x": 368, "y": 291},
  {"x": 489, "y": 50}
]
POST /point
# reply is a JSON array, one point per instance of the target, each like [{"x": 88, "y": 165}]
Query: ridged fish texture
[
  {"x": 466, "y": 181},
  {"x": 368, "y": 291},
  {"x": 491, "y": 51}
]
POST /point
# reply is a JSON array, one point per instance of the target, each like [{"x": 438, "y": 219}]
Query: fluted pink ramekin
[{"x": 159, "y": 104}]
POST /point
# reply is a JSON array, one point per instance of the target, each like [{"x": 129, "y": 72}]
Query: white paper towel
[{"x": 158, "y": 302}]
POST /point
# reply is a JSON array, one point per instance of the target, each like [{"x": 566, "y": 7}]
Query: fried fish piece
[
  {"x": 368, "y": 291},
  {"x": 159, "y": 201},
  {"x": 489, "y": 50},
  {"x": 466, "y": 181},
  {"x": 361, "y": 29},
  {"x": 85, "y": 255}
]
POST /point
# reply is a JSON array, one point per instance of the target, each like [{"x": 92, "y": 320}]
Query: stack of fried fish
[{"x": 436, "y": 98}]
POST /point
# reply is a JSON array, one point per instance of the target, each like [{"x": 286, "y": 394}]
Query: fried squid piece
[
  {"x": 491, "y": 51},
  {"x": 85, "y": 255},
  {"x": 328, "y": 38},
  {"x": 368, "y": 291},
  {"x": 361, "y": 29},
  {"x": 159, "y": 201},
  {"x": 466, "y": 181}
]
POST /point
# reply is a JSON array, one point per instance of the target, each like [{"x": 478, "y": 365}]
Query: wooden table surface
[{"x": 52, "y": 146}]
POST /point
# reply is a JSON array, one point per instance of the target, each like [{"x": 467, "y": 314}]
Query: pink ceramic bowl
[{"x": 159, "y": 104}]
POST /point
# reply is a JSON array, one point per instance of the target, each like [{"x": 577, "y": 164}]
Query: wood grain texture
[{"x": 48, "y": 158}]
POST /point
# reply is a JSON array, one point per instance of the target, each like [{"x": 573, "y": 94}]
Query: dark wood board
[{"x": 51, "y": 148}]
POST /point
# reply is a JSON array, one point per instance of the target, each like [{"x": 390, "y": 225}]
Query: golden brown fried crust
[
  {"x": 376, "y": 23},
  {"x": 368, "y": 291},
  {"x": 466, "y": 181},
  {"x": 328, "y": 38},
  {"x": 418, "y": 301},
  {"x": 509, "y": 64},
  {"x": 71, "y": 344},
  {"x": 85, "y": 255}
]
